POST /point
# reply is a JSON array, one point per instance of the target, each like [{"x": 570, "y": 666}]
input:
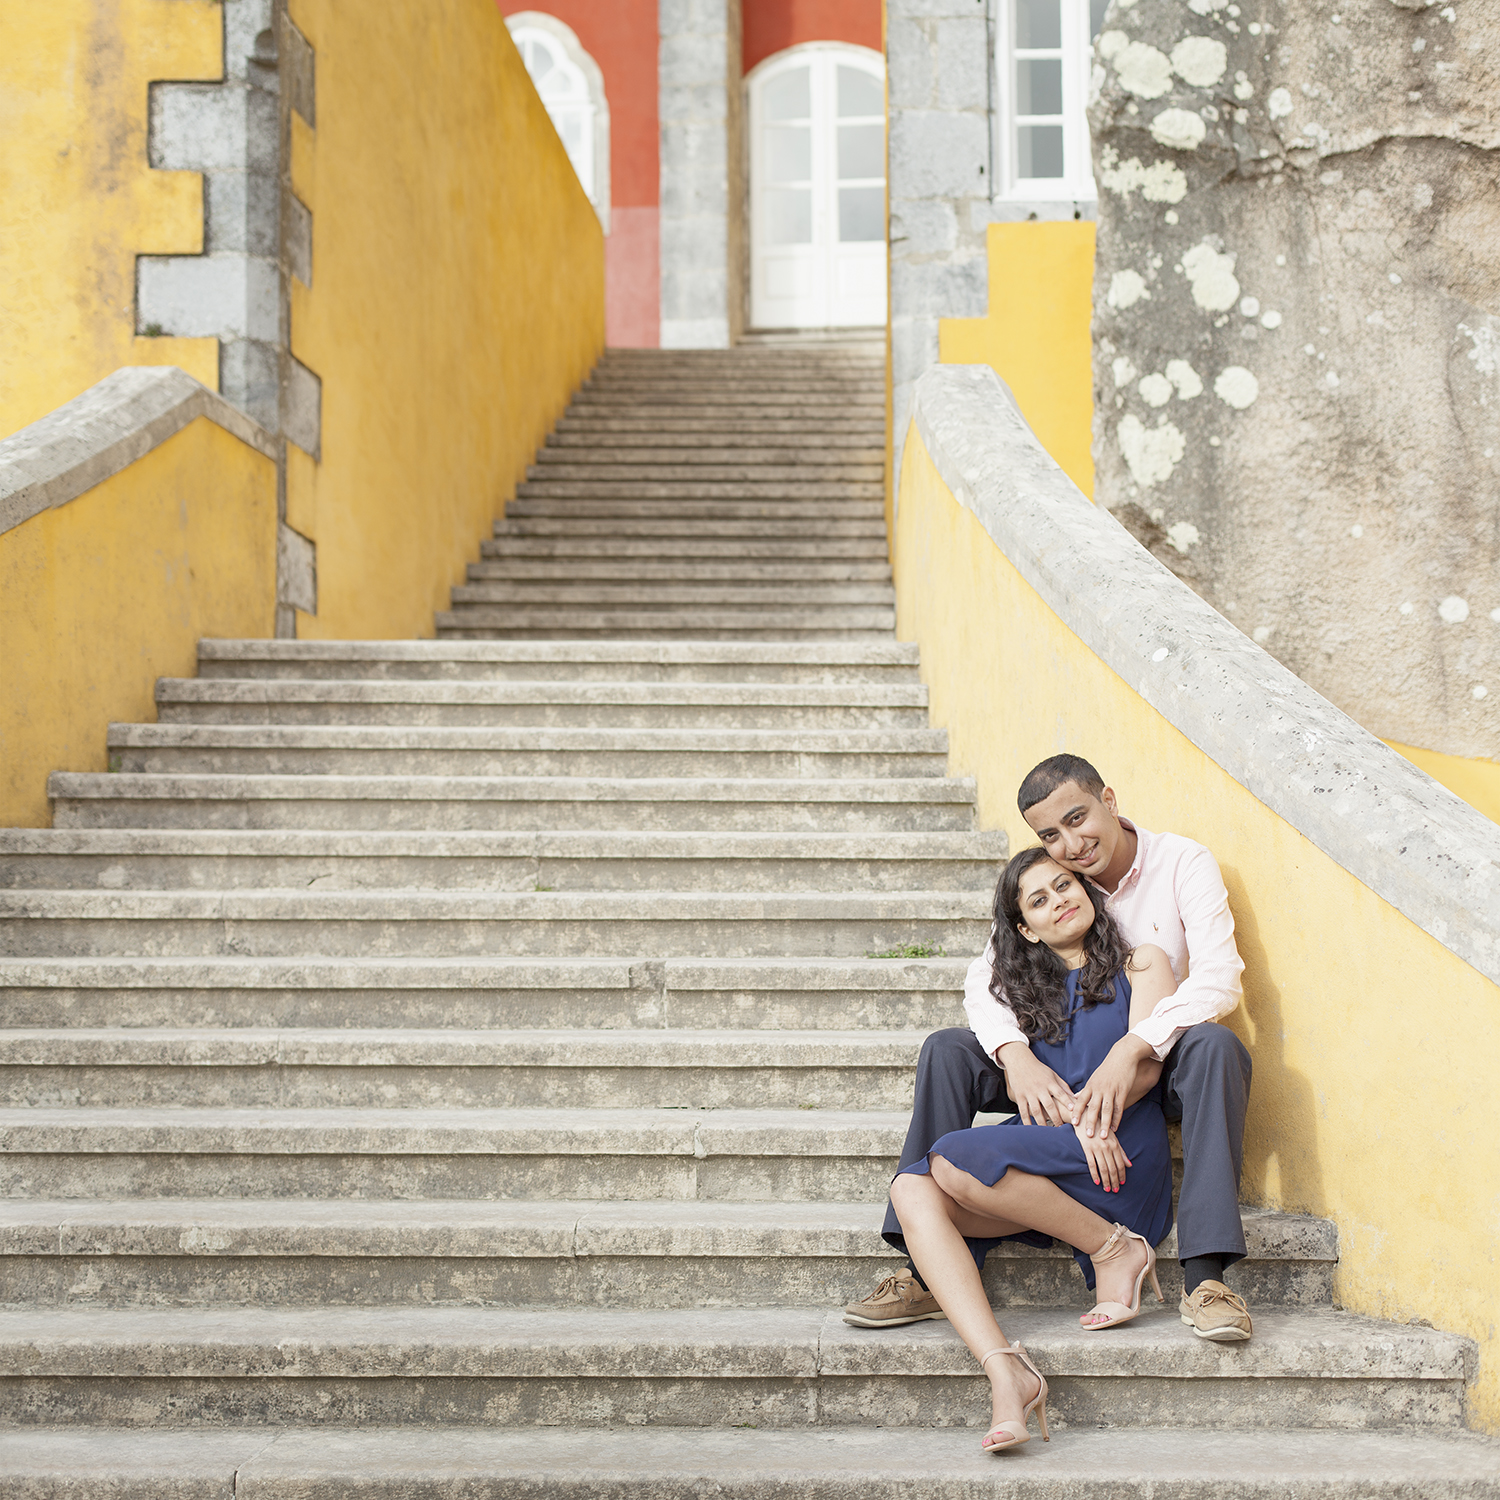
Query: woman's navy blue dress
[{"x": 1144, "y": 1202}]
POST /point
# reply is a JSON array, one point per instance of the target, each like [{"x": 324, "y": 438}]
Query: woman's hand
[{"x": 1106, "y": 1158}]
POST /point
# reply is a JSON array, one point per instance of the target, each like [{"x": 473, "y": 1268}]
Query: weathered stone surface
[
  {"x": 1297, "y": 353},
  {"x": 665, "y": 1464}
]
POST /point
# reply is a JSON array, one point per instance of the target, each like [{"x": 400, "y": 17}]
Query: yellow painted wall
[
  {"x": 1476, "y": 781},
  {"x": 103, "y": 595},
  {"x": 1376, "y": 1049},
  {"x": 457, "y": 301},
  {"x": 81, "y": 202},
  {"x": 1035, "y": 335}
]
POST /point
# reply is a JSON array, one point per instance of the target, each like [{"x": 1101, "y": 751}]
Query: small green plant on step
[
  {"x": 152, "y": 331},
  {"x": 911, "y": 950}
]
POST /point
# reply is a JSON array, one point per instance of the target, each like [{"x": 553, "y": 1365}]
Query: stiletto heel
[
  {"x": 1016, "y": 1431},
  {"x": 1118, "y": 1312}
]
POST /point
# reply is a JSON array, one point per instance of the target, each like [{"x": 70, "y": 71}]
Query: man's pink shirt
[{"x": 1173, "y": 896}]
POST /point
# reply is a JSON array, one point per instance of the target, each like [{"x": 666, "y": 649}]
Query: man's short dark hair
[{"x": 1041, "y": 781}]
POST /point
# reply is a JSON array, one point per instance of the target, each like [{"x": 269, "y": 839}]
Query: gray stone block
[
  {"x": 937, "y": 155},
  {"x": 201, "y": 296},
  {"x": 962, "y": 63}
]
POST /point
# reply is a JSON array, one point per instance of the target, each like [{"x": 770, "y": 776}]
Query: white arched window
[
  {"x": 572, "y": 89},
  {"x": 1045, "y": 55},
  {"x": 817, "y": 188}
]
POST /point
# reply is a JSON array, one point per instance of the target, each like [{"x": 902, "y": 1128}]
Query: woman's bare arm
[{"x": 1131, "y": 1070}]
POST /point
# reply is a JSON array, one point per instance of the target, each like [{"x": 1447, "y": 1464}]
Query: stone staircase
[{"x": 467, "y": 1067}]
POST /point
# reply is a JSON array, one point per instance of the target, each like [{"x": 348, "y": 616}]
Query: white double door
[{"x": 817, "y": 189}]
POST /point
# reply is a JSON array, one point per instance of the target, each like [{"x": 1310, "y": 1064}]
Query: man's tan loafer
[
  {"x": 1214, "y": 1312},
  {"x": 897, "y": 1300}
]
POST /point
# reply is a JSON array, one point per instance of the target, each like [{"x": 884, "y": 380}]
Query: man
[{"x": 1163, "y": 889}]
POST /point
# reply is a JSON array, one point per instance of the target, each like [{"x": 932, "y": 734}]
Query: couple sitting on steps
[{"x": 1091, "y": 1013}]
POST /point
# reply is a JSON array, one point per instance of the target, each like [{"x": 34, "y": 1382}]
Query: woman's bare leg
[
  {"x": 935, "y": 1226},
  {"x": 1038, "y": 1203}
]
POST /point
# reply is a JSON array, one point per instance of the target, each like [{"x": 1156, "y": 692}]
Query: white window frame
[
  {"x": 1077, "y": 183},
  {"x": 597, "y": 143}
]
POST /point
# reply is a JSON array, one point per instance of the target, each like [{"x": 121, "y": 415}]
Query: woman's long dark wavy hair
[{"x": 1030, "y": 978}]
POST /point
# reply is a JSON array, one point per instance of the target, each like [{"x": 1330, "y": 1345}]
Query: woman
[{"x": 1075, "y": 991}]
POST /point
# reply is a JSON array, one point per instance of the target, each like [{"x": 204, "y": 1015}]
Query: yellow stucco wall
[
  {"x": 1375, "y": 1048},
  {"x": 1035, "y": 336},
  {"x": 103, "y": 595},
  {"x": 81, "y": 202},
  {"x": 457, "y": 301}
]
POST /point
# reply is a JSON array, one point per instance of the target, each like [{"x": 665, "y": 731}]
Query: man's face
[{"x": 1079, "y": 830}]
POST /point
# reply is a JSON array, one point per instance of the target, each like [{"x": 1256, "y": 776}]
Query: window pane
[
  {"x": 789, "y": 216},
  {"x": 861, "y": 151},
  {"x": 538, "y": 59},
  {"x": 1040, "y": 148},
  {"x": 859, "y": 93},
  {"x": 1038, "y": 23},
  {"x": 861, "y": 214},
  {"x": 1096, "y": 16},
  {"x": 788, "y": 153},
  {"x": 788, "y": 96},
  {"x": 1039, "y": 86}
]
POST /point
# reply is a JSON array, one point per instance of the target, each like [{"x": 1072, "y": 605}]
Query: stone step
[
  {"x": 825, "y": 1463},
  {"x": 775, "y": 1368},
  {"x": 452, "y": 804},
  {"x": 663, "y": 598},
  {"x": 734, "y": 380},
  {"x": 259, "y": 1068},
  {"x": 190, "y": 859},
  {"x": 560, "y": 661},
  {"x": 685, "y": 528},
  {"x": 614, "y": 993},
  {"x": 824, "y": 706},
  {"x": 633, "y": 570},
  {"x": 688, "y": 395},
  {"x": 692, "y": 499},
  {"x": 354, "y": 1252},
  {"x": 511, "y": 924},
  {"x": 354, "y": 750},
  {"x": 484, "y": 623},
  {"x": 864, "y": 549},
  {"x": 763, "y": 1156},
  {"x": 809, "y": 460},
  {"x": 716, "y": 429},
  {"x": 815, "y": 487}
]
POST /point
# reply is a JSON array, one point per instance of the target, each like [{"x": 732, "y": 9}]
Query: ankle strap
[
  {"x": 1112, "y": 1246},
  {"x": 985, "y": 1358}
]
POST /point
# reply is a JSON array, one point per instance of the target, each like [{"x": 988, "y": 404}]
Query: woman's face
[{"x": 1055, "y": 907}]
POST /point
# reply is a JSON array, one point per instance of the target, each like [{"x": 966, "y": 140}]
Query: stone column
[
  {"x": 1297, "y": 337},
  {"x": 938, "y": 81},
  {"x": 699, "y": 73}
]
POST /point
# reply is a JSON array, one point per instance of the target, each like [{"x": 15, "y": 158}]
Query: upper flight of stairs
[
  {"x": 691, "y": 496},
  {"x": 465, "y": 1067}
]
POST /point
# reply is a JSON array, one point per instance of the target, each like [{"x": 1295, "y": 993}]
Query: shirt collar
[{"x": 1133, "y": 874}]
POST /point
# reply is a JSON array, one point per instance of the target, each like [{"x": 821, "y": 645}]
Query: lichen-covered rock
[{"x": 1297, "y": 335}]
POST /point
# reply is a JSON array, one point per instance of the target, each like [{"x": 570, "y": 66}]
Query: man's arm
[
  {"x": 1040, "y": 1096},
  {"x": 992, "y": 1021},
  {"x": 1212, "y": 987}
]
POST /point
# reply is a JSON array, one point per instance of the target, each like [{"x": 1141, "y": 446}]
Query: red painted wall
[
  {"x": 771, "y": 26},
  {"x": 621, "y": 36}
]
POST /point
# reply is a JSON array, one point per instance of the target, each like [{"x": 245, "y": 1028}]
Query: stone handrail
[
  {"x": 104, "y": 430},
  {"x": 1428, "y": 854}
]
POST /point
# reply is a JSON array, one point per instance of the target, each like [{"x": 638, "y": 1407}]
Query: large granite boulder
[{"x": 1296, "y": 340}]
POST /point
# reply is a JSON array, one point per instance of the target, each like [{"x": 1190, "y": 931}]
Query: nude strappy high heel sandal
[
  {"x": 1016, "y": 1431},
  {"x": 1118, "y": 1312}
]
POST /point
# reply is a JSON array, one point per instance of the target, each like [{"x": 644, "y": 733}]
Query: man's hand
[
  {"x": 1107, "y": 1160},
  {"x": 1041, "y": 1097},
  {"x": 1103, "y": 1098}
]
